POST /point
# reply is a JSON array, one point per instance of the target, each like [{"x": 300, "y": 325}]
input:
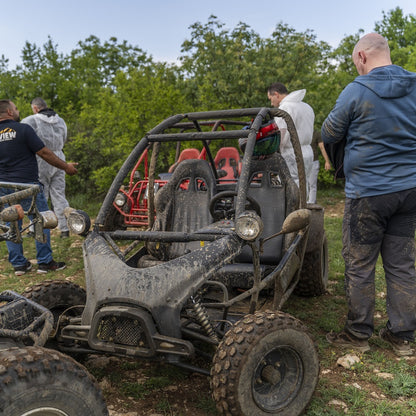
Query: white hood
[{"x": 303, "y": 117}]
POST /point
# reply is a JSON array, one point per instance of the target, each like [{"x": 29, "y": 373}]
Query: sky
[{"x": 159, "y": 27}]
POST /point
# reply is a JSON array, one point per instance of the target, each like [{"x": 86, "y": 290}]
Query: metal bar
[
  {"x": 243, "y": 112},
  {"x": 248, "y": 154},
  {"x": 198, "y": 135},
  {"x": 24, "y": 193},
  {"x": 165, "y": 236}
]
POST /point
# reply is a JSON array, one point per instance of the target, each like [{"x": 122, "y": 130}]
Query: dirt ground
[
  {"x": 335, "y": 210},
  {"x": 189, "y": 394}
]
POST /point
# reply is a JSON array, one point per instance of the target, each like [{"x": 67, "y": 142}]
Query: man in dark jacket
[
  {"x": 376, "y": 117},
  {"x": 19, "y": 145}
]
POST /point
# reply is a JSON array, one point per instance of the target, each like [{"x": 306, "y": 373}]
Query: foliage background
[{"x": 111, "y": 93}]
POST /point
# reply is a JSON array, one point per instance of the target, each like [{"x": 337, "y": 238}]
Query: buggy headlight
[
  {"x": 248, "y": 225},
  {"x": 12, "y": 213},
  {"x": 120, "y": 199},
  {"x": 78, "y": 221},
  {"x": 49, "y": 219}
]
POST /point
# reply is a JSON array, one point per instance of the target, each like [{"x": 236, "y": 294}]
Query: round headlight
[
  {"x": 248, "y": 226},
  {"x": 79, "y": 222},
  {"x": 120, "y": 199},
  {"x": 12, "y": 213},
  {"x": 49, "y": 219}
]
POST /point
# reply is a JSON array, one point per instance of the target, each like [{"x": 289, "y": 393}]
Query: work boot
[
  {"x": 64, "y": 234},
  {"x": 346, "y": 340},
  {"x": 401, "y": 347}
]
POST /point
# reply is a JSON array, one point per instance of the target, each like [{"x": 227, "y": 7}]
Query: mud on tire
[
  {"x": 41, "y": 382},
  {"x": 267, "y": 364},
  {"x": 313, "y": 279},
  {"x": 56, "y": 295},
  {"x": 113, "y": 221}
]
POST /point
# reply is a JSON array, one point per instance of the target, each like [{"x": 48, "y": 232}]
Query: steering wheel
[{"x": 222, "y": 205}]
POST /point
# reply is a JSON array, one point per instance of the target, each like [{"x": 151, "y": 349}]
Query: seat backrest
[
  {"x": 272, "y": 186},
  {"x": 227, "y": 159},
  {"x": 186, "y": 154},
  {"x": 183, "y": 205}
]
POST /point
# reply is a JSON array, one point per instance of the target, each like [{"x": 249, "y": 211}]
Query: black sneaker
[
  {"x": 21, "y": 270},
  {"x": 64, "y": 234},
  {"x": 401, "y": 346},
  {"x": 51, "y": 266},
  {"x": 347, "y": 340}
]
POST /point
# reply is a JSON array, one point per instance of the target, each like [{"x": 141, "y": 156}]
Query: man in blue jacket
[{"x": 375, "y": 116}]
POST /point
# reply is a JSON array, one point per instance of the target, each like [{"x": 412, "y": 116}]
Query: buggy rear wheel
[
  {"x": 40, "y": 382},
  {"x": 114, "y": 221},
  {"x": 59, "y": 296},
  {"x": 56, "y": 295},
  {"x": 266, "y": 365},
  {"x": 313, "y": 279}
]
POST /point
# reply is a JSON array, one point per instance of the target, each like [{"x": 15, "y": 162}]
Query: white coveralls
[
  {"x": 303, "y": 118},
  {"x": 53, "y": 132}
]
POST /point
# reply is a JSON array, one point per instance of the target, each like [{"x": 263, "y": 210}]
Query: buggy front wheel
[{"x": 266, "y": 365}]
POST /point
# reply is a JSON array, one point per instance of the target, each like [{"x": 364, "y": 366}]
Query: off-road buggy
[
  {"x": 208, "y": 276},
  {"x": 34, "y": 380}
]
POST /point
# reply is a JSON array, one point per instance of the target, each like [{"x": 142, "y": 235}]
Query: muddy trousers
[{"x": 385, "y": 225}]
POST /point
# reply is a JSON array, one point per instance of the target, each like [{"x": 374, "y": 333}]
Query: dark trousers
[{"x": 383, "y": 224}]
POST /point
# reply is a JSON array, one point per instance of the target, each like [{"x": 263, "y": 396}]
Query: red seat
[
  {"x": 186, "y": 154},
  {"x": 228, "y": 159}
]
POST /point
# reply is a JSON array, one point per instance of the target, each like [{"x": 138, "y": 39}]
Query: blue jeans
[
  {"x": 43, "y": 250},
  {"x": 383, "y": 224}
]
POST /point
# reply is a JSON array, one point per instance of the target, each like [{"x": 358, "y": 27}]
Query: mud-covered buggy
[
  {"x": 34, "y": 380},
  {"x": 209, "y": 276}
]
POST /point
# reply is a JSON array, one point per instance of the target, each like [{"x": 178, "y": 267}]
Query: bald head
[{"x": 370, "y": 52}]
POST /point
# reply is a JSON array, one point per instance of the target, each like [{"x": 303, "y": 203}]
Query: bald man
[{"x": 375, "y": 116}]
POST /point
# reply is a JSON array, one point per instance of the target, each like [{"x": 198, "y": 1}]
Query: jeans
[
  {"x": 383, "y": 224},
  {"x": 43, "y": 250}
]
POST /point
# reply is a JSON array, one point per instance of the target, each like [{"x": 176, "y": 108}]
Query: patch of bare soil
[
  {"x": 141, "y": 388},
  {"x": 335, "y": 210}
]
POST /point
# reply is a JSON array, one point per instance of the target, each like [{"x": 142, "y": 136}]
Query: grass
[{"x": 360, "y": 390}]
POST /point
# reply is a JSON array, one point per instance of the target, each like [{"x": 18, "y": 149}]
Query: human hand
[{"x": 71, "y": 169}]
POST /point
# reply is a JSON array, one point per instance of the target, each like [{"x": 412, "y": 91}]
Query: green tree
[
  {"x": 339, "y": 72},
  {"x": 218, "y": 65},
  {"x": 400, "y": 30},
  {"x": 136, "y": 101},
  {"x": 94, "y": 65},
  {"x": 9, "y": 81},
  {"x": 234, "y": 68}
]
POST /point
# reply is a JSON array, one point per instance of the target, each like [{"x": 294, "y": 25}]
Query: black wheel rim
[{"x": 277, "y": 379}]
